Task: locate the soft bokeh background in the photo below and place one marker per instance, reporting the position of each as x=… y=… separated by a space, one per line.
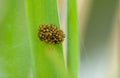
x=99 y=22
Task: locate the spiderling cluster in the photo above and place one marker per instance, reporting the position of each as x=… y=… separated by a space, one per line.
x=49 y=33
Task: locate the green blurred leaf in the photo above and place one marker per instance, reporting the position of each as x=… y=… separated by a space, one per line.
x=14 y=45
x=19 y=40
x=73 y=39
x=48 y=61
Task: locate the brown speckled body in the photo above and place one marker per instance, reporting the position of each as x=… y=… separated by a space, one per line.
x=49 y=33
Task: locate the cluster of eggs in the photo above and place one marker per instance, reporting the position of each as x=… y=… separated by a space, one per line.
x=49 y=33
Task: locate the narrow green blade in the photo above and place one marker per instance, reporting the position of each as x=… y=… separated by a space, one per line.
x=73 y=39
x=48 y=59
x=14 y=45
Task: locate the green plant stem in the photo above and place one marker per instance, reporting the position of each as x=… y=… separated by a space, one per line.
x=73 y=39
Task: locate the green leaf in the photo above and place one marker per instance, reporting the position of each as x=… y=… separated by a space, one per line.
x=73 y=39
x=14 y=45
x=19 y=40
x=48 y=61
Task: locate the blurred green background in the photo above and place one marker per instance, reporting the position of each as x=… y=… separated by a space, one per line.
x=99 y=23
